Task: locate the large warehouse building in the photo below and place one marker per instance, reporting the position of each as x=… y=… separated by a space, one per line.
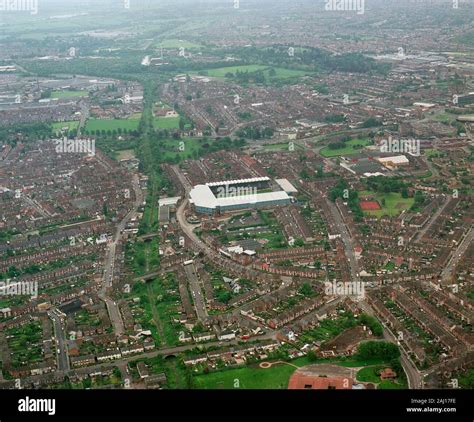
x=234 y=195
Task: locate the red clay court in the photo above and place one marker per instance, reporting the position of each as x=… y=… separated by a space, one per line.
x=370 y=205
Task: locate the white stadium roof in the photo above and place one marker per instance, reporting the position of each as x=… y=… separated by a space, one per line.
x=238 y=182
x=286 y=186
x=202 y=196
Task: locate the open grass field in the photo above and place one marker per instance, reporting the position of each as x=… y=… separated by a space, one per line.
x=69 y=94
x=371 y=374
x=445 y=117
x=275 y=377
x=280 y=73
x=390 y=385
x=112 y=124
x=71 y=126
x=220 y=72
x=177 y=43
x=348 y=150
x=166 y=122
x=394 y=203
x=173 y=147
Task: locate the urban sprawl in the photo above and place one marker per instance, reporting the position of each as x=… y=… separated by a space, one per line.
x=254 y=194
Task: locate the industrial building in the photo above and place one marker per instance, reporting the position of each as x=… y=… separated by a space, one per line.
x=394 y=162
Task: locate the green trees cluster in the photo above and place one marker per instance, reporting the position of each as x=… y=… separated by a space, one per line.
x=378 y=349
x=31 y=131
x=308 y=58
x=372 y=323
x=253 y=132
x=335 y=118
x=113 y=132
x=257 y=77
x=371 y=122
x=383 y=184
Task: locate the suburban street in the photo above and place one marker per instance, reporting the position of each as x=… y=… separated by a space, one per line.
x=433 y=218
x=346 y=239
x=414 y=377
x=62 y=350
x=107 y=280
x=196 y=292
x=456 y=257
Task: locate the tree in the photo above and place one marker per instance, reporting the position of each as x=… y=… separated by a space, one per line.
x=378 y=349
x=312 y=356
x=373 y=324
x=299 y=242
x=371 y=122
x=306 y=290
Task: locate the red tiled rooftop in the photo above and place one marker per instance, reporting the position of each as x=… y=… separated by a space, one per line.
x=300 y=381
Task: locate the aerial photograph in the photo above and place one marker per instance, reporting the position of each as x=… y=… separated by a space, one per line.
x=238 y=199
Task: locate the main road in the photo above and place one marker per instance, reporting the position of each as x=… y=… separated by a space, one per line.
x=456 y=256
x=62 y=351
x=346 y=239
x=108 y=275
x=214 y=256
x=433 y=218
x=414 y=376
x=196 y=292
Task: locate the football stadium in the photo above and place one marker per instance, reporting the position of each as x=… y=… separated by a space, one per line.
x=236 y=195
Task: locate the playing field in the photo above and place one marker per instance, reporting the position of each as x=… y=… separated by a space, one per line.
x=176 y=43
x=369 y=205
x=184 y=147
x=166 y=122
x=280 y=73
x=393 y=206
x=112 y=124
x=275 y=377
x=69 y=94
x=70 y=125
x=348 y=150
